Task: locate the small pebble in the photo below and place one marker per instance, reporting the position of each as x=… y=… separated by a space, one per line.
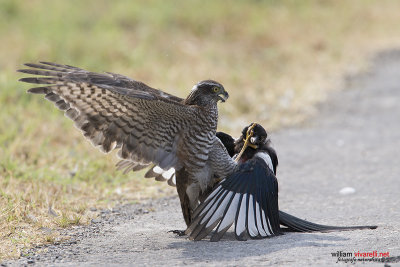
x=118 y=191
x=347 y=191
x=97 y=220
x=106 y=211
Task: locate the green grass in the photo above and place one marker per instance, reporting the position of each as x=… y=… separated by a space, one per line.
x=276 y=58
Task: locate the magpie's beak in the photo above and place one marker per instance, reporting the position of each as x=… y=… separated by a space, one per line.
x=223 y=96
x=253 y=142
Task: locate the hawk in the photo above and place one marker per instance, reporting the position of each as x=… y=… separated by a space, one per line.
x=146 y=125
x=189 y=199
x=248 y=198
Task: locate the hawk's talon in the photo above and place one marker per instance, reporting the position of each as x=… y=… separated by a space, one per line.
x=249 y=134
x=177 y=232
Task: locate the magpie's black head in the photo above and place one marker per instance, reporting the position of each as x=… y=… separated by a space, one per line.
x=256 y=143
x=259 y=137
x=259 y=142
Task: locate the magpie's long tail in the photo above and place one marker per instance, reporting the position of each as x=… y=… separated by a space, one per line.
x=295 y=224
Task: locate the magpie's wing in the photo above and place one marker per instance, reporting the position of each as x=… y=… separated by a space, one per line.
x=228 y=142
x=248 y=198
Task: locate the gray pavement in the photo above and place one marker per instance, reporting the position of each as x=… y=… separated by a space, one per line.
x=354 y=141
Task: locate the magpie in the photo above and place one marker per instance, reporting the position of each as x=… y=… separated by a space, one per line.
x=248 y=198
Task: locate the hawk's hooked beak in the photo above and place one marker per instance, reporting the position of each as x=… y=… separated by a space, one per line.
x=223 y=96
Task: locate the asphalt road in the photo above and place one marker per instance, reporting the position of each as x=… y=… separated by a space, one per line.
x=354 y=141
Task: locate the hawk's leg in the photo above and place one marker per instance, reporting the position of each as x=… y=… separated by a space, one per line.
x=182 y=183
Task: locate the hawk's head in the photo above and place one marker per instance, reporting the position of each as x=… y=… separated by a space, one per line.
x=207 y=93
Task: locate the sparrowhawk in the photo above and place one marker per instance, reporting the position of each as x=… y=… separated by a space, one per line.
x=248 y=198
x=148 y=126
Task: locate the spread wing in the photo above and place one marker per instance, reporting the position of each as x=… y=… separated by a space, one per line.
x=153 y=172
x=248 y=198
x=169 y=175
x=114 y=111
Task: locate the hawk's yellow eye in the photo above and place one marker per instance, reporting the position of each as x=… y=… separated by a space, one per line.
x=215 y=89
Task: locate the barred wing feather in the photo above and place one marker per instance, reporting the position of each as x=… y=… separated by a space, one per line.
x=114 y=111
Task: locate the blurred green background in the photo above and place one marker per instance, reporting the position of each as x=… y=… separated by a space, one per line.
x=276 y=58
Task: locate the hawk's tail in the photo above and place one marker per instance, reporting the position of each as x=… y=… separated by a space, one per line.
x=295 y=224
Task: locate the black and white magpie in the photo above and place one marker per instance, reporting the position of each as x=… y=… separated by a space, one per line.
x=248 y=198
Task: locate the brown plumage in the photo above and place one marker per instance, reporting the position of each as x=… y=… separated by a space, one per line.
x=148 y=126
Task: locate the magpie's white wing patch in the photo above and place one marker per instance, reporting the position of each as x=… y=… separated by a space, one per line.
x=248 y=198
